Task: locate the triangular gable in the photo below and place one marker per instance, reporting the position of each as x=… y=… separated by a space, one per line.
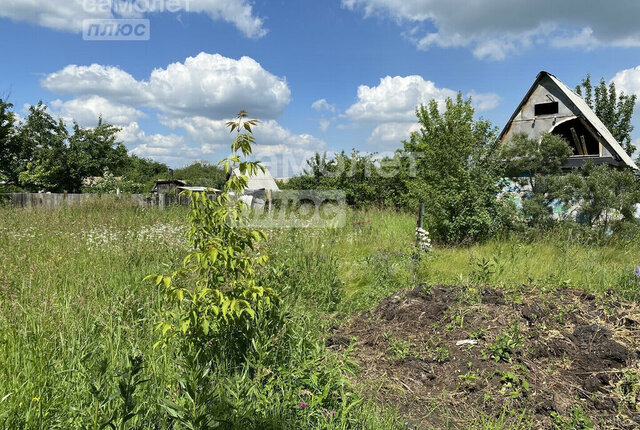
x=579 y=108
x=260 y=180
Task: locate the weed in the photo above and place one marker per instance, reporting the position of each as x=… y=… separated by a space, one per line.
x=577 y=420
x=514 y=385
x=506 y=344
x=440 y=354
x=398 y=348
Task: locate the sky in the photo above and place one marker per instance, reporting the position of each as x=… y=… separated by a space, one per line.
x=326 y=75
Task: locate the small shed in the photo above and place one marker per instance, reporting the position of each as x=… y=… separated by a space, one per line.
x=551 y=107
x=167 y=185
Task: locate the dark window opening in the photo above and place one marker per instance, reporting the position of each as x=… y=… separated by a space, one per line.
x=581 y=140
x=546 y=108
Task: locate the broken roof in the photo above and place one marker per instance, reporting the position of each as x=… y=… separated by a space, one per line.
x=587 y=113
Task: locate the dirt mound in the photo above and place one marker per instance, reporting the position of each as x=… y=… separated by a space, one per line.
x=452 y=356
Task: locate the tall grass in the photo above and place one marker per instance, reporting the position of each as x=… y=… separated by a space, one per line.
x=74 y=312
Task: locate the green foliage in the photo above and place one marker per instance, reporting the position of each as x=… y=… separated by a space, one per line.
x=600 y=194
x=202 y=174
x=514 y=385
x=40 y=154
x=217 y=286
x=614 y=110
x=628 y=390
x=457 y=173
x=577 y=420
x=399 y=349
x=506 y=344
x=365 y=179
x=534 y=166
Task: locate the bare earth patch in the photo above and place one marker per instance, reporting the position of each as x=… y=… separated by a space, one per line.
x=560 y=358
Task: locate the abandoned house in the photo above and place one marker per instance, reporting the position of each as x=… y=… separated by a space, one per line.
x=551 y=107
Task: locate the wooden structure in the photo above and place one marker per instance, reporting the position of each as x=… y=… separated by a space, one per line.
x=551 y=107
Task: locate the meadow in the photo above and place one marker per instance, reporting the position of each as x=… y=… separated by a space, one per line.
x=77 y=321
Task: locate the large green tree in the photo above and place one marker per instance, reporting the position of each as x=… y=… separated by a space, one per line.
x=94 y=152
x=615 y=109
x=42 y=154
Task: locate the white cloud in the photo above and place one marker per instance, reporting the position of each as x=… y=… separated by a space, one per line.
x=195 y=99
x=495 y=29
x=170 y=149
x=283 y=151
x=391 y=105
x=393 y=132
x=324 y=124
x=104 y=81
x=396 y=98
x=208 y=84
x=628 y=80
x=86 y=110
x=68 y=15
x=322 y=104
x=484 y=101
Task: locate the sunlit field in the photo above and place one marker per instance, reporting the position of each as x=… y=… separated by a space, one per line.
x=76 y=317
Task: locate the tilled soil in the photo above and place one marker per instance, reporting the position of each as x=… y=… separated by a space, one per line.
x=555 y=360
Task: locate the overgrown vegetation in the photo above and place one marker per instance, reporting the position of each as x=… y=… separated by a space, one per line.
x=475 y=188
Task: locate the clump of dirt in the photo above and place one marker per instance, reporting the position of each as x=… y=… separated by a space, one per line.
x=450 y=356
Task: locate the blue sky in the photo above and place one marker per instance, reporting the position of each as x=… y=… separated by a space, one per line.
x=322 y=75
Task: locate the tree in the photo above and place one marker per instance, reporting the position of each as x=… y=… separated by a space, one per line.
x=94 y=152
x=7 y=143
x=600 y=194
x=202 y=174
x=614 y=110
x=458 y=176
x=534 y=165
x=42 y=154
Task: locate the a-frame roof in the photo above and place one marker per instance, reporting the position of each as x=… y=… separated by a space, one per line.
x=585 y=111
x=259 y=180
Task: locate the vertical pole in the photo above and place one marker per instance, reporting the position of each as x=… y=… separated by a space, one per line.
x=420 y=215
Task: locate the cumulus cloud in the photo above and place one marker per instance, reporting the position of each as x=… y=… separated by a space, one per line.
x=392 y=103
x=86 y=110
x=283 y=151
x=323 y=105
x=98 y=80
x=494 y=29
x=207 y=84
x=396 y=98
x=194 y=99
x=171 y=149
x=393 y=132
x=628 y=80
x=67 y=15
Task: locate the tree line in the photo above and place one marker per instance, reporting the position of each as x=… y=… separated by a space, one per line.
x=42 y=153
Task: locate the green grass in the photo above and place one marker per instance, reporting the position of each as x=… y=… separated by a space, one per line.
x=74 y=309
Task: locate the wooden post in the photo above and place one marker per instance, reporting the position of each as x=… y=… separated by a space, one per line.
x=268 y=195
x=420 y=215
